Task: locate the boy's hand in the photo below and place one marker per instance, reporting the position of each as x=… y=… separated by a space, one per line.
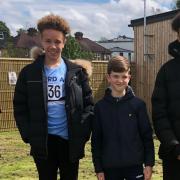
x=178 y=158
x=147 y=172
x=100 y=176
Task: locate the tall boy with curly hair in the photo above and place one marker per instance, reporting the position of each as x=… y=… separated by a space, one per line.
x=53 y=105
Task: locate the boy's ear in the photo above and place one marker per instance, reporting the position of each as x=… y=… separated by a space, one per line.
x=108 y=77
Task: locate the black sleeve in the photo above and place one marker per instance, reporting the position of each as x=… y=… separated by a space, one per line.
x=96 y=142
x=160 y=119
x=146 y=135
x=20 y=106
x=88 y=104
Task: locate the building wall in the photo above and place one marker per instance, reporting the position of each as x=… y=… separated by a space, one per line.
x=159 y=35
x=128 y=55
x=117 y=47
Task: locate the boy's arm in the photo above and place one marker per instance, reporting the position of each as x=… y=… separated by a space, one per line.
x=160 y=119
x=20 y=106
x=96 y=142
x=146 y=135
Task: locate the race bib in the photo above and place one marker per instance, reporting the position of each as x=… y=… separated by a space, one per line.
x=54 y=92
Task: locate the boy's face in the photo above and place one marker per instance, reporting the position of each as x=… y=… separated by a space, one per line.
x=118 y=81
x=53 y=42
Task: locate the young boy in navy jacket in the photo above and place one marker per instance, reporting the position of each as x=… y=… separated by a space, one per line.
x=122 y=143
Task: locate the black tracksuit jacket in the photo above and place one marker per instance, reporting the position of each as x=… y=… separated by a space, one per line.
x=122 y=134
x=30 y=108
x=166 y=105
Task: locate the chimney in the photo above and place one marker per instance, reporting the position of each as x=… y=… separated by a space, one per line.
x=78 y=35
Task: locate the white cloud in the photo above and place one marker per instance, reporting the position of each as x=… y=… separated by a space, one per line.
x=94 y=20
x=101 y=16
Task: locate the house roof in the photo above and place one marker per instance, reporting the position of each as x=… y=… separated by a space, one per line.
x=89 y=45
x=154 y=18
x=118 y=44
x=118 y=39
x=118 y=49
x=26 y=41
x=126 y=45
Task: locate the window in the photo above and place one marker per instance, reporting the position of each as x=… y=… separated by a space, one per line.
x=1 y=35
x=97 y=56
x=106 y=57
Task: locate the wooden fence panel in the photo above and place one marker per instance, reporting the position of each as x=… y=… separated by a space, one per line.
x=6 y=90
x=97 y=81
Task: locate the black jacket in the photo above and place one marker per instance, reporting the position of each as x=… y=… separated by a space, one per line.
x=30 y=108
x=166 y=104
x=122 y=134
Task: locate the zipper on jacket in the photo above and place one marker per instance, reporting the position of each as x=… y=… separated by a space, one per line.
x=67 y=89
x=73 y=97
x=44 y=78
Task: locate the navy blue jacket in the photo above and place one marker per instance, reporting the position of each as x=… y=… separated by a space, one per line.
x=122 y=134
x=166 y=103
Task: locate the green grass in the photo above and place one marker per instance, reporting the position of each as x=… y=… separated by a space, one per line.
x=17 y=164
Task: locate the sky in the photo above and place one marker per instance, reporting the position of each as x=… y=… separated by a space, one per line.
x=96 y=19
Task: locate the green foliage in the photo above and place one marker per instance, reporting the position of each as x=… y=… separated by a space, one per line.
x=32 y=31
x=15 y=52
x=72 y=50
x=178 y=4
x=4 y=28
x=21 y=30
x=86 y=55
x=11 y=51
x=175 y=4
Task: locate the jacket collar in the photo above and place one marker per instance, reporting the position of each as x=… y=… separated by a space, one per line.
x=70 y=66
x=108 y=97
x=174 y=49
x=72 y=69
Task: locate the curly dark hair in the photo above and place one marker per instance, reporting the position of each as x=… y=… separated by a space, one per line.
x=53 y=22
x=176 y=23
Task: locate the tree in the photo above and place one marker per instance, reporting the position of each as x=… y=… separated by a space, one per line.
x=4 y=28
x=178 y=4
x=72 y=50
x=32 y=31
x=21 y=30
